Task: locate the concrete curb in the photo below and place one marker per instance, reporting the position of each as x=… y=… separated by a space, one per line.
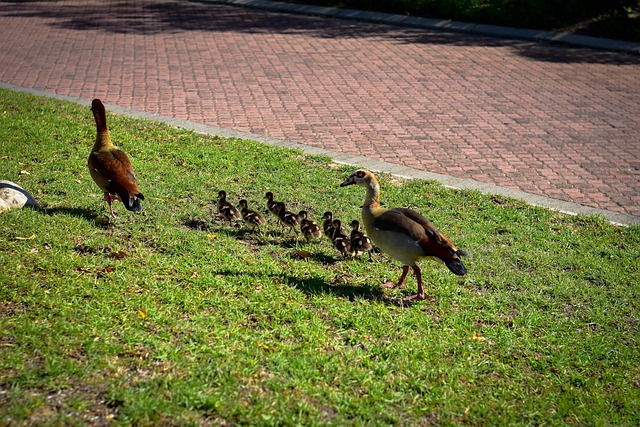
x=616 y=218
x=437 y=24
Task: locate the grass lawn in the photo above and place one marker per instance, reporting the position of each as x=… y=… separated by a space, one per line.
x=172 y=317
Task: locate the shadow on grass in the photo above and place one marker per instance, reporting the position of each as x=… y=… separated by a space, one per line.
x=237 y=231
x=87 y=214
x=198 y=224
x=317 y=285
x=262 y=237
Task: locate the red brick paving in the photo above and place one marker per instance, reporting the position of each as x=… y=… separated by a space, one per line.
x=550 y=120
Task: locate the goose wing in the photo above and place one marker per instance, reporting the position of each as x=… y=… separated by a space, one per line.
x=116 y=171
x=419 y=229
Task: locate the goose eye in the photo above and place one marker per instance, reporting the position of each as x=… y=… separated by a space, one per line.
x=360 y=174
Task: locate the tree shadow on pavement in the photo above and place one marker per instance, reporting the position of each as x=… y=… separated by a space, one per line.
x=148 y=17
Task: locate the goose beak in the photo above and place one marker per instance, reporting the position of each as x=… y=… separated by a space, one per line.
x=351 y=180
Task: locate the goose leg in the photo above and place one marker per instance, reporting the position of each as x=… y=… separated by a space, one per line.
x=421 y=293
x=110 y=198
x=391 y=285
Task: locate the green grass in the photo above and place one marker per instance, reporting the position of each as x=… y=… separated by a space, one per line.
x=171 y=317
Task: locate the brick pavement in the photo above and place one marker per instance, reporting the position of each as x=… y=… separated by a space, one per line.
x=549 y=120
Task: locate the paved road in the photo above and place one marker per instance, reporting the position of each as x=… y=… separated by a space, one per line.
x=557 y=121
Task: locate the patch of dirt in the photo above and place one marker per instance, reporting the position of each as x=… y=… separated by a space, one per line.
x=62 y=404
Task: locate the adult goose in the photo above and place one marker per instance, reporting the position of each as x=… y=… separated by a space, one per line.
x=110 y=167
x=404 y=234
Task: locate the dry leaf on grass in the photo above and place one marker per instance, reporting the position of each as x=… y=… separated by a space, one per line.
x=33 y=236
x=265 y=347
x=304 y=254
x=119 y=255
x=478 y=338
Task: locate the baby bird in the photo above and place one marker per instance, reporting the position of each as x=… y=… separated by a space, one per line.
x=327 y=225
x=359 y=241
x=338 y=231
x=271 y=204
x=310 y=230
x=287 y=218
x=110 y=168
x=340 y=239
x=252 y=218
x=343 y=245
x=226 y=209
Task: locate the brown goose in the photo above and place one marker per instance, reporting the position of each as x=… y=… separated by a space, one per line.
x=404 y=234
x=110 y=167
